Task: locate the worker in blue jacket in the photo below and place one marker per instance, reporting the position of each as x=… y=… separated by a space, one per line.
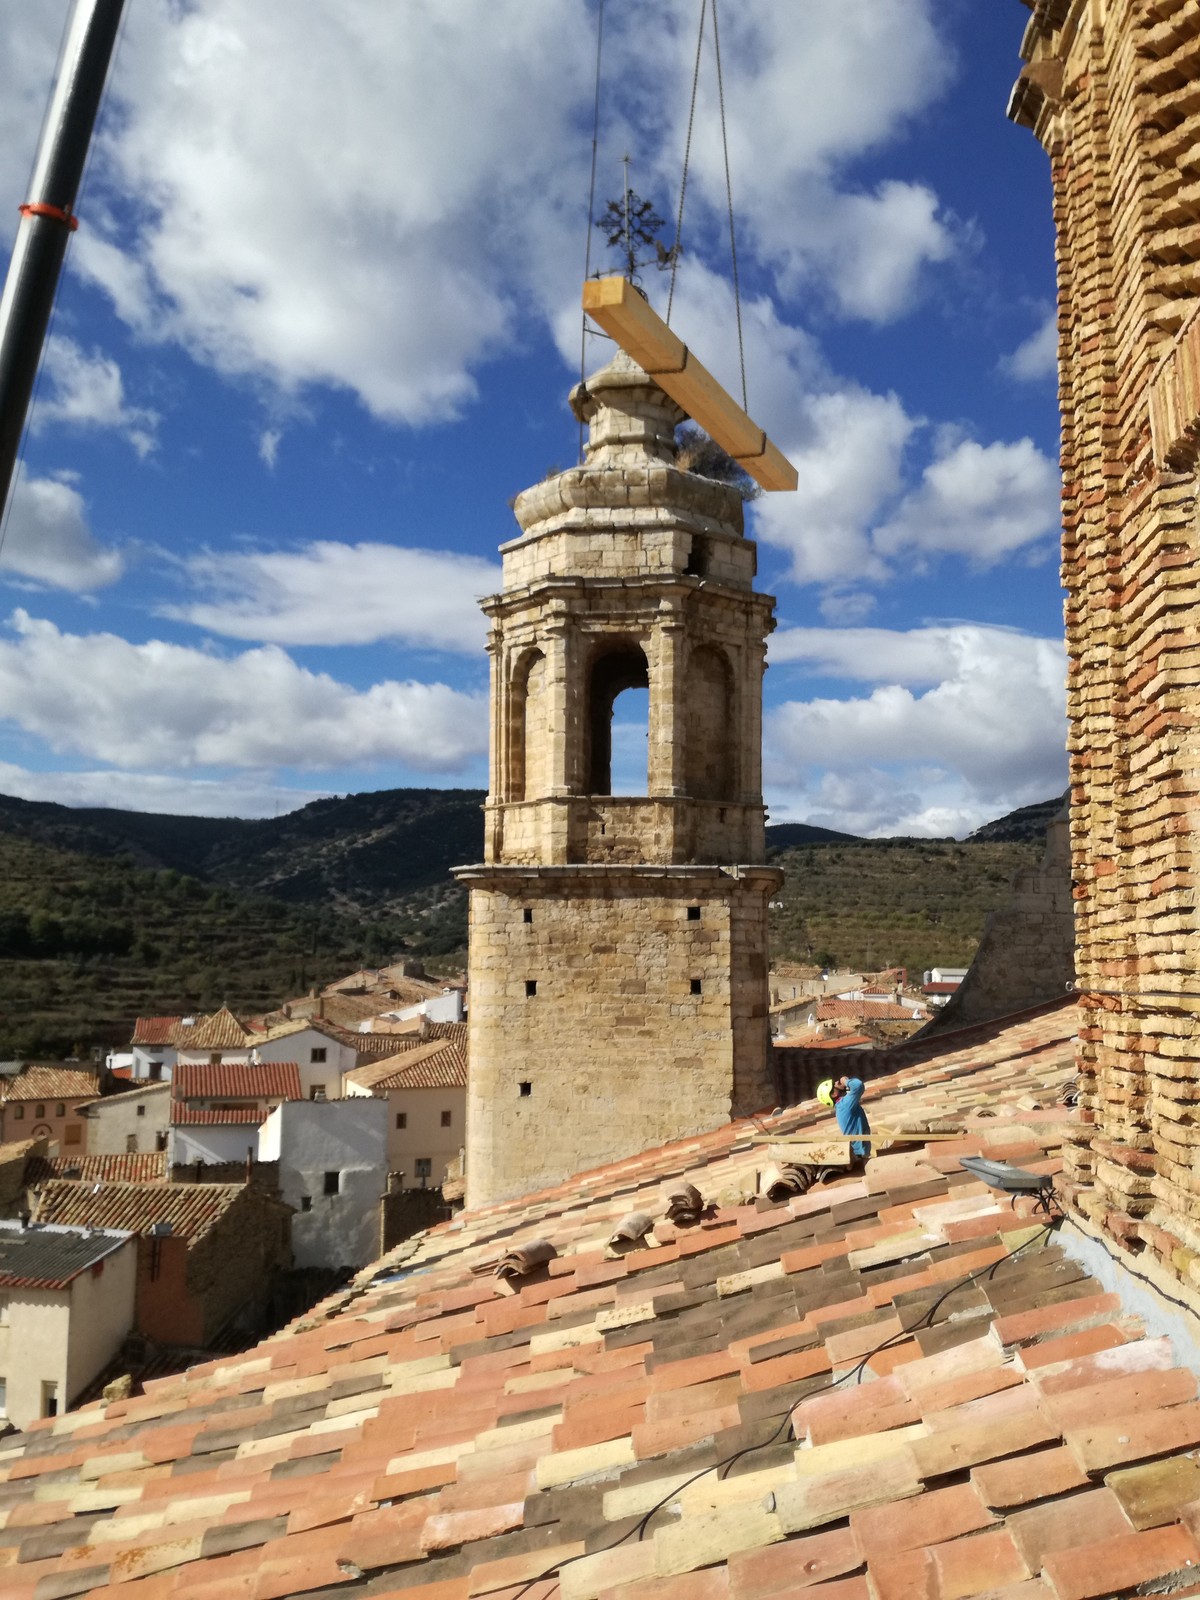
x=848 y=1109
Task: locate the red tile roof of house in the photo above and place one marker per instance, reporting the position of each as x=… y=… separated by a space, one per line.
x=156 y=1030
x=149 y=1166
x=864 y=1011
x=184 y=1115
x=50 y=1083
x=946 y=987
x=221 y=1031
x=190 y=1209
x=440 y=1064
x=231 y=1080
x=895 y=1385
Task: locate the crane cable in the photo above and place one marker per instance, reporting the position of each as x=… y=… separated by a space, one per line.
x=687 y=156
x=687 y=151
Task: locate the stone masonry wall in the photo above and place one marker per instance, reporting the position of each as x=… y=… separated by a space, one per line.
x=1112 y=90
x=1027 y=953
x=616 y=1051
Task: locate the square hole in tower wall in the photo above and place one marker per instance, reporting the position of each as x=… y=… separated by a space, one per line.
x=696 y=986
x=527 y=914
x=530 y=986
x=693 y=913
x=525 y=1090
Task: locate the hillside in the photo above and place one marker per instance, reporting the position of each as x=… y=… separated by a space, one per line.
x=105 y=913
x=87 y=942
x=914 y=903
x=1029 y=822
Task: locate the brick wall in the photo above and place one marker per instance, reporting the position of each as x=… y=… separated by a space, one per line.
x=1113 y=92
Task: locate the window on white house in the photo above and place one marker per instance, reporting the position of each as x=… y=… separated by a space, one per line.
x=402 y=1119
x=316 y=1091
x=333 y=1183
x=156 y=1070
x=49 y=1399
x=73 y=1133
x=424 y=1169
x=62 y=1110
x=141 y=1111
x=317 y=1054
x=445 y=1119
x=306 y=1202
x=40 y=1112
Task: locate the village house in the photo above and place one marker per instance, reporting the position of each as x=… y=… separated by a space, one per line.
x=43 y=1102
x=332 y=1163
x=152 y=1048
x=322 y=1051
x=133 y=1121
x=66 y=1304
x=206 y=1252
x=217 y=1108
x=426 y=1092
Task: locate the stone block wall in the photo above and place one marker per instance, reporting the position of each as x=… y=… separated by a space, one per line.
x=1112 y=90
x=1026 y=955
x=611 y=1051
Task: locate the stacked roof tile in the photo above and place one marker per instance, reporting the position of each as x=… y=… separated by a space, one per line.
x=189 y=1209
x=220 y=1080
x=896 y=1386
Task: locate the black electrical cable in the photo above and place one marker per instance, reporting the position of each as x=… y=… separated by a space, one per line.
x=721 y=1468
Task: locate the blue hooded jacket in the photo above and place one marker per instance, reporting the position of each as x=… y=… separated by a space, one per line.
x=851 y=1118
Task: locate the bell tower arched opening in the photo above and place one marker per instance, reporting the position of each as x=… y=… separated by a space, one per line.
x=527 y=742
x=616 y=667
x=711 y=747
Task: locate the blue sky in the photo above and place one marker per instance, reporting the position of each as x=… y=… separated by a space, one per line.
x=318 y=327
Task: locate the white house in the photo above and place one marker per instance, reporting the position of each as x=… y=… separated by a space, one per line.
x=66 y=1305
x=332 y=1157
x=159 y=1043
x=198 y=1133
x=320 y=1054
x=217 y=1107
x=425 y=1090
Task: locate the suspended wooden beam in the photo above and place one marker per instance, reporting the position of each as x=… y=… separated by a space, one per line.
x=617 y=307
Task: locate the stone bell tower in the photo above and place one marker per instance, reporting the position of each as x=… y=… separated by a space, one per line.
x=618 y=966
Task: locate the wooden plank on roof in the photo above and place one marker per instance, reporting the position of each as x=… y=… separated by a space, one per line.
x=617 y=307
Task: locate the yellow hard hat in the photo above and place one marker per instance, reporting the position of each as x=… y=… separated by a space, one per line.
x=825 y=1092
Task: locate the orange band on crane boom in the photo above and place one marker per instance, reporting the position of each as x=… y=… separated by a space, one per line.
x=42 y=208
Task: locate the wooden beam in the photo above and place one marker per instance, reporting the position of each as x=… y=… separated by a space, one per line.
x=621 y=311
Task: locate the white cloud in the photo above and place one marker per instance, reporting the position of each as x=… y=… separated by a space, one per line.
x=331 y=593
x=237 y=795
x=849 y=460
x=164 y=705
x=1037 y=356
x=49 y=541
x=268 y=446
x=967 y=717
x=980 y=501
x=312 y=224
x=86 y=391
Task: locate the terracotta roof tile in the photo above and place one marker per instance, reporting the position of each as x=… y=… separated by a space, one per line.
x=145 y=1167
x=191 y=1209
x=50 y=1083
x=185 y=1115
x=221 y=1031
x=431 y=1432
x=221 y=1080
x=156 y=1031
x=440 y=1064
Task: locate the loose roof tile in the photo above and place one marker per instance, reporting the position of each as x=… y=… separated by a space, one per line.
x=843 y=1391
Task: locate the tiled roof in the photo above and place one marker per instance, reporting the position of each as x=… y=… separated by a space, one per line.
x=221 y=1031
x=231 y=1080
x=941 y=988
x=191 y=1209
x=184 y=1115
x=156 y=1030
x=866 y=1011
x=441 y=1064
x=49 y=1258
x=50 y=1083
x=837 y=1392
x=147 y=1167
